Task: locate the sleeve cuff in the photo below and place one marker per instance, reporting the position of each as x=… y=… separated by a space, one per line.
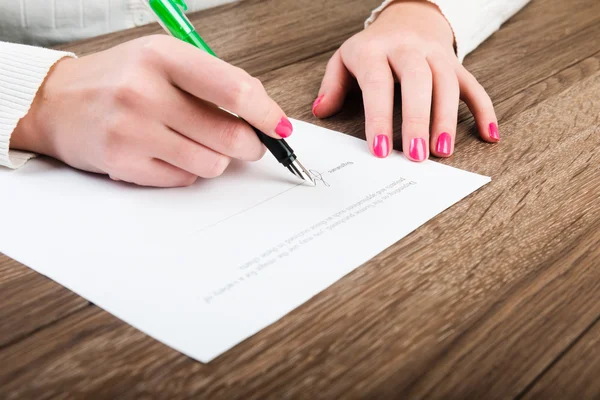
x=23 y=70
x=471 y=21
x=376 y=12
x=386 y=3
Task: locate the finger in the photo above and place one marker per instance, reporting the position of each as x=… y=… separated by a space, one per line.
x=480 y=104
x=334 y=87
x=210 y=126
x=186 y=154
x=152 y=172
x=415 y=79
x=377 y=84
x=218 y=82
x=445 y=106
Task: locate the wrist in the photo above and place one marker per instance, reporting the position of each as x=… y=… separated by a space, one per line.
x=33 y=132
x=423 y=11
x=26 y=135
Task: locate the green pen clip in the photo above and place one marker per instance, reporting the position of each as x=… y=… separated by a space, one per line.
x=171 y=16
x=181 y=3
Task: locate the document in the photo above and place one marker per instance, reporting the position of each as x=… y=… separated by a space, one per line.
x=204 y=267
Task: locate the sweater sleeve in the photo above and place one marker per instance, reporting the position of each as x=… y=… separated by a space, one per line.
x=472 y=21
x=23 y=70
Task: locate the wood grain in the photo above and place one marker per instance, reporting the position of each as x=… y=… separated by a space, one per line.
x=494 y=298
x=21 y=313
x=575 y=375
x=556 y=305
x=104 y=340
x=258 y=35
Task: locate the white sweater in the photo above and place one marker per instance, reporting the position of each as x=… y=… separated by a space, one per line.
x=48 y=22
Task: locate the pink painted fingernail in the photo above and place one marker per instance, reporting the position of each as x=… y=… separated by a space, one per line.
x=316 y=104
x=381 y=146
x=494 y=134
x=284 y=127
x=417 y=149
x=444 y=144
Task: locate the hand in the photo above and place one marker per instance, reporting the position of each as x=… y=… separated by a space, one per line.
x=144 y=112
x=412 y=41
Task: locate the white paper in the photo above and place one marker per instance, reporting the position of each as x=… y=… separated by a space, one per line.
x=203 y=268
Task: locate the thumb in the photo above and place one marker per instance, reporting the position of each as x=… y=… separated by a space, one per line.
x=336 y=84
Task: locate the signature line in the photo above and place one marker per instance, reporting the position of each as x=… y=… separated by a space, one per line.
x=247 y=209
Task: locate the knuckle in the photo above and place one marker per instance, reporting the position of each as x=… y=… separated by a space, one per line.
x=471 y=78
x=373 y=46
x=452 y=83
x=115 y=141
x=113 y=160
x=416 y=72
x=446 y=121
x=218 y=166
x=254 y=151
x=269 y=115
x=186 y=179
x=125 y=93
x=410 y=40
x=257 y=84
x=416 y=121
x=485 y=99
x=475 y=85
x=232 y=136
x=115 y=131
x=379 y=120
x=240 y=93
x=482 y=110
x=243 y=90
x=375 y=78
x=442 y=52
x=482 y=99
x=151 y=49
x=332 y=62
x=441 y=65
x=365 y=56
x=259 y=154
x=405 y=51
x=113 y=157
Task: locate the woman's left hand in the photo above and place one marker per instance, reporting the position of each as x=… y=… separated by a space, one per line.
x=412 y=42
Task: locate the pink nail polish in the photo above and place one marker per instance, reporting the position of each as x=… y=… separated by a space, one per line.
x=284 y=127
x=444 y=144
x=494 y=131
x=417 y=149
x=381 y=146
x=316 y=104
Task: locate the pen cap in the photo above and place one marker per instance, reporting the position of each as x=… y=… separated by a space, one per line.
x=170 y=14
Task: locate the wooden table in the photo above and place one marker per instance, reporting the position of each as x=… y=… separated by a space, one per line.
x=497 y=297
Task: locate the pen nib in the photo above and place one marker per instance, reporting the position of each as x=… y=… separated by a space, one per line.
x=298 y=169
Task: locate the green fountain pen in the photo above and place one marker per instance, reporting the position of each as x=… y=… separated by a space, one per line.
x=170 y=14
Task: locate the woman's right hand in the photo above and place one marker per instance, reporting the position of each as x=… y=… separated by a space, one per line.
x=145 y=112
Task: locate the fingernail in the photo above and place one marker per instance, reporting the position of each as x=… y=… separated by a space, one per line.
x=444 y=144
x=284 y=127
x=316 y=104
x=494 y=131
x=381 y=146
x=417 y=150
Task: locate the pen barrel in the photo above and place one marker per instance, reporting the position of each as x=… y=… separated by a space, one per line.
x=195 y=40
x=172 y=18
x=278 y=147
